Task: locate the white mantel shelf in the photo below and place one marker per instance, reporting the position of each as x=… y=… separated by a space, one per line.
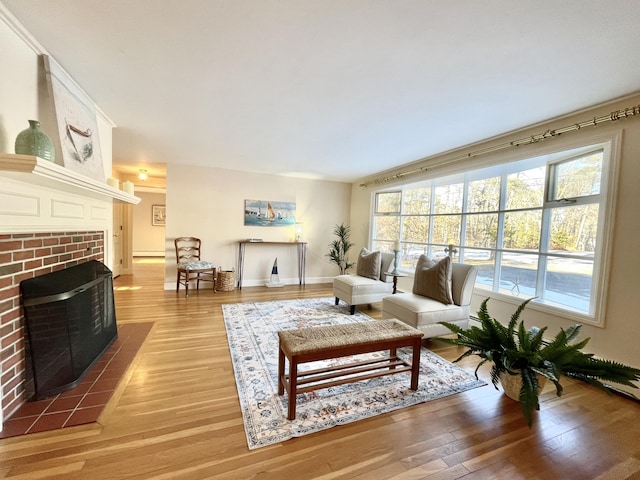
x=35 y=170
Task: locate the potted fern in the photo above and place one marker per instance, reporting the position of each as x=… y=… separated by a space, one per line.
x=339 y=248
x=516 y=352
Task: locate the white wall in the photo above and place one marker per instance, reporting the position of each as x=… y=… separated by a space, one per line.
x=148 y=239
x=619 y=337
x=24 y=96
x=209 y=203
x=18 y=87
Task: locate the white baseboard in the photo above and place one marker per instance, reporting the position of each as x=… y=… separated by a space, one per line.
x=261 y=283
x=150 y=253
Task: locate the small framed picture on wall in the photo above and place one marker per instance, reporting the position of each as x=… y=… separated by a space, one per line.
x=158 y=215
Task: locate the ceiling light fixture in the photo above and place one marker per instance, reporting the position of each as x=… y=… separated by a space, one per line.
x=142 y=175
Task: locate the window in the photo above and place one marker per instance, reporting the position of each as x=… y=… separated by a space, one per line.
x=533 y=227
x=386 y=220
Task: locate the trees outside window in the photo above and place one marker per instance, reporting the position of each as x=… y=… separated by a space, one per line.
x=532 y=227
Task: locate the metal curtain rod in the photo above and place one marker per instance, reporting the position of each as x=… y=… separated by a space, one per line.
x=612 y=117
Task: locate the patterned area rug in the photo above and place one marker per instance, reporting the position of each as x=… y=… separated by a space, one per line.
x=253 y=340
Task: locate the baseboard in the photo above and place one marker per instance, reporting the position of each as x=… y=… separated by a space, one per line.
x=151 y=253
x=260 y=283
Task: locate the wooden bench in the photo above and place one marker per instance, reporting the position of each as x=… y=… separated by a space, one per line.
x=322 y=343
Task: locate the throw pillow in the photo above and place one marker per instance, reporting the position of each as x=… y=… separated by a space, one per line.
x=369 y=264
x=433 y=279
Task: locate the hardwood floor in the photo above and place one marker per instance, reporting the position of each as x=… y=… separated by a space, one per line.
x=176 y=416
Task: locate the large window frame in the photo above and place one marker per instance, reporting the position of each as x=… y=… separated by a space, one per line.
x=425 y=218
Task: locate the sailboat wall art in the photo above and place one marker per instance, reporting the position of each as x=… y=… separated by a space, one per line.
x=268 y=213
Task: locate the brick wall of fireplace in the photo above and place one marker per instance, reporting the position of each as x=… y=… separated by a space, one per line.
x=23 y=256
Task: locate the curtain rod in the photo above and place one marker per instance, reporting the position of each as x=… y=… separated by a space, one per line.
x=612 y=117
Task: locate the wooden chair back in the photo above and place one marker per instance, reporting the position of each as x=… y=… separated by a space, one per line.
x=187 y=249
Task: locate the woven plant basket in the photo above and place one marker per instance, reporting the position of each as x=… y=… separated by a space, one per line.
x=226 y=281
x=511 y=384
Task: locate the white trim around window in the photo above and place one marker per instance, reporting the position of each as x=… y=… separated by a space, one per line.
x=428 y=214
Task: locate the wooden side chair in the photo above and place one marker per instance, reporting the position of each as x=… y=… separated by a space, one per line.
x=189 y=265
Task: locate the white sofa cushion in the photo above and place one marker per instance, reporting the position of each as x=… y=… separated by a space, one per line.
x=417 y=310
x=360 y=289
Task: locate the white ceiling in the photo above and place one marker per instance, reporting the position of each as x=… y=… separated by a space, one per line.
x=332 y=89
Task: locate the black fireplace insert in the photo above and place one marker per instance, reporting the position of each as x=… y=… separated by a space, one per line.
x=70 y=323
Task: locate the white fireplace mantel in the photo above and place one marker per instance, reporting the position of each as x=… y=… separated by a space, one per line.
x=36 y=171
x=39 y=196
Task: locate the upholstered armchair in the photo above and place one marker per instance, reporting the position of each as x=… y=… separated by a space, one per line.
x=441 y=293
x=370 y=283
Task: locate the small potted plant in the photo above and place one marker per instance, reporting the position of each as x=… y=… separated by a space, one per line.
x=339 y=248
x=516 y=352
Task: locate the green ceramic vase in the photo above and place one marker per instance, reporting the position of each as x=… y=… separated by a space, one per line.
x=33 y=141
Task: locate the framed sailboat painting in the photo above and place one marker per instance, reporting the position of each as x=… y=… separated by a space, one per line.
x=267 y=213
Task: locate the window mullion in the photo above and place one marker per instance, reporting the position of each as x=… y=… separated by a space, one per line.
x=463 y=220
x=429 y=240
x=500 y=234
x=402 y=215
x=545 y=237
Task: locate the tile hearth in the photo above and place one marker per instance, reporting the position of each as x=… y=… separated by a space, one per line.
x=84 y=403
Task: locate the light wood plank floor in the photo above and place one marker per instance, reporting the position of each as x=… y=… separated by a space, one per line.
x=176 y=416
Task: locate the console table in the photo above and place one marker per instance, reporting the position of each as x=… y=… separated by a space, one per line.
x=302 y=257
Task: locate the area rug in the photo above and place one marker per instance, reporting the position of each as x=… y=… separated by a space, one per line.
x=253 y=341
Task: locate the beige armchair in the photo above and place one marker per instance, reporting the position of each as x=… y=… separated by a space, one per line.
x=369 y=285
x=441 y=293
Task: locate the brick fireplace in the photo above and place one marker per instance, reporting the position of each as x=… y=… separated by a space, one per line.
x=51 y=218
x=22 y=256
